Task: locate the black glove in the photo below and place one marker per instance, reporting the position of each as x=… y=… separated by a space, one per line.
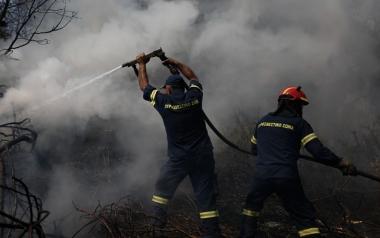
x=347 y=167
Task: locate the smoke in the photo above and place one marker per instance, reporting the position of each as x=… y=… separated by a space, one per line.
x=244 y=52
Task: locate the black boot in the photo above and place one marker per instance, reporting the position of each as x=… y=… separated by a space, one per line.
x=248 y=227
x=210 y=228
x=159 y=220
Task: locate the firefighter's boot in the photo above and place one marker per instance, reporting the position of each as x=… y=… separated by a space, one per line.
x=159 y=220
x=248 y=227
x=210 y=228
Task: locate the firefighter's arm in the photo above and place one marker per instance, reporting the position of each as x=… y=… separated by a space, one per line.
x=315 y=147
x=310 y=141
x=320 y=152
x=142 y=74
x=183 y=68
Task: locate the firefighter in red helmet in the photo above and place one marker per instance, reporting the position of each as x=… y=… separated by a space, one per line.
x=276 y=141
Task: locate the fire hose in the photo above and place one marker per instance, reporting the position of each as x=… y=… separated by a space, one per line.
x=161 y=54
x=305 y=157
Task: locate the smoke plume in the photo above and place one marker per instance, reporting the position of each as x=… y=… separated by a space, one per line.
x=244 y=53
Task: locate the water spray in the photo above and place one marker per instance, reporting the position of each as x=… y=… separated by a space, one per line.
x=156 y=53
x=72 y=90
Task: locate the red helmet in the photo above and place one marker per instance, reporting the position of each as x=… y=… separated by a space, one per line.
x=294 y=93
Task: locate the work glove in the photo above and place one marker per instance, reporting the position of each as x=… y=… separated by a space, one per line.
x=347 y=167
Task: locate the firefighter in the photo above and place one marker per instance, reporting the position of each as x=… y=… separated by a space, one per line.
x=276 y=141
x=190 y=150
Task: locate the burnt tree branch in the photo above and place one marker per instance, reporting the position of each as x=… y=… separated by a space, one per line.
x=36 y=215
x=26 y=21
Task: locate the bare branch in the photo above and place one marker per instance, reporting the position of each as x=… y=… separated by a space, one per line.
x=128 y=219
x=33 y=225
x=4 y=10
x=28 y=20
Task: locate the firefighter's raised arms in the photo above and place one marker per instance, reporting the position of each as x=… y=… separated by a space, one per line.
x=190 y=150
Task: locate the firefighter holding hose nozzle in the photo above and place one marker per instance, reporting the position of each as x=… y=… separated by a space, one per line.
x=276 y=141
x=190 y=150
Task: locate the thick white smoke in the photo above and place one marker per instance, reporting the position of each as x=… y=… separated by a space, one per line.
x=244 y=52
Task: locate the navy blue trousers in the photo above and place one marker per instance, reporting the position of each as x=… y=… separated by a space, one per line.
x=200 y=168
x=293 y=198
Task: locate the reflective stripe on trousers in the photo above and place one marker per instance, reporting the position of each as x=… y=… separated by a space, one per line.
x=160 y=200
x=209 y=214
x=308 y=231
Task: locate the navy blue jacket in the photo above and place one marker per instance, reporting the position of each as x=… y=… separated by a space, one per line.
x=277 y=140
x=183 y=119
